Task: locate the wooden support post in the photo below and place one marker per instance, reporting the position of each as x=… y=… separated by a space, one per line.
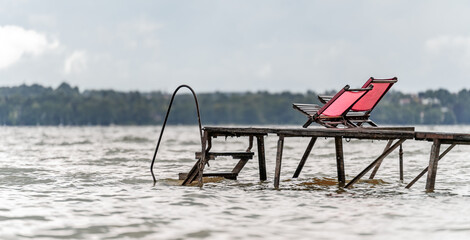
x=203 y=161
x=277 y=173
x=368 y=168
x=239 y=166
x=426 y=169
x=198 y=168
x=377 y=166
x=305 y=156
x=261 y=158
x=209 y=143
x=250 y=143
x=432 y=168
x=340 y=161
x=192 y=174
x=400 y=162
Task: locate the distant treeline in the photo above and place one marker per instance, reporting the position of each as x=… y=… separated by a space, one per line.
x=66 y=105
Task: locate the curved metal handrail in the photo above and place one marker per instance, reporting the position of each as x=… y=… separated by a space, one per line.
x=164 y=124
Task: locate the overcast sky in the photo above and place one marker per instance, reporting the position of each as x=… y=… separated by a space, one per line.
x=235 y=45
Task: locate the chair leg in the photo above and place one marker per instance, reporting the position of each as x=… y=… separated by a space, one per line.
x=309 y=121
x=372 y=123
x=348 y=123
x=327 y=125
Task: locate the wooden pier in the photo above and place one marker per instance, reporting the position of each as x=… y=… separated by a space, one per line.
x=395 y=136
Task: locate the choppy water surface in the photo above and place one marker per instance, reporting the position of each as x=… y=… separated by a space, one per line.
x=94 y=183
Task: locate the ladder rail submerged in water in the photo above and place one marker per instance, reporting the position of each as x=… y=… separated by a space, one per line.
x=164 y=124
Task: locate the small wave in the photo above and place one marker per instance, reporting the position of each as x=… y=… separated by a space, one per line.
x=135 y=181
x=117 y=150
x=84 y=142
x=12 y=170
x=35 y=218
x=133 y=139
x=190 y=143
x=199 y=234
x=133 y=235
x=15 y=180
x=75 y=200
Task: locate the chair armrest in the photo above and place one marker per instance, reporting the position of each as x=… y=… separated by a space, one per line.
x=307 y=109
x=324 y=98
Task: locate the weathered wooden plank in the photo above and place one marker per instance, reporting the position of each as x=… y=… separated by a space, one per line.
x=250 y=143
x=430 y=136
x=192 y=174
x=359 y=134
x=198 y=168
x=368 y=168
x=261 y=158
x=265 y=130
x=209 y=143
x=203 y=161
x=232 y=176
x=234 y=155
x=400 y=162
x=277 y=173
x=304 y=157
x=455 y=142
x=237 y=131
x=432 y=169
x=239 y=165
x=377 y=166
x=340 y=161
x=425 y=170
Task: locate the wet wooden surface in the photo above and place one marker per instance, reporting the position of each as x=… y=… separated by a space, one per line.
x=360 y=133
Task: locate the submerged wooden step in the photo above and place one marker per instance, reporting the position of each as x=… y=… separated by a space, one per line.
x=234 y=155
x=232 y=176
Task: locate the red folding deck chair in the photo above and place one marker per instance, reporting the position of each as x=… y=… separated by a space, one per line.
x=334 y=111
x=360 y=111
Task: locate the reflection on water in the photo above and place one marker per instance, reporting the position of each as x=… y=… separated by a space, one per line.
x=94 y=183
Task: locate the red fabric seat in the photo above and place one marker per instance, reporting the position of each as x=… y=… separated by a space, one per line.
x=372 y=98
x=343 y=103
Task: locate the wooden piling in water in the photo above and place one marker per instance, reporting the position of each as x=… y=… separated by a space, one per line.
x=277 y=173
x=432 y=169
x=340 y=161
x=261 y=158
x=400 y=162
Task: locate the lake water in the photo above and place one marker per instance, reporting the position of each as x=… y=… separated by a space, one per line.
x=94 y=183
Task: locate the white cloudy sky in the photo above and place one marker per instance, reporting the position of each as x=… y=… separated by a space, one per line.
x=235 y=45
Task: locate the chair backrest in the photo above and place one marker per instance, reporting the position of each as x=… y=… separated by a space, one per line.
x=372 y=97
x=342 y=102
